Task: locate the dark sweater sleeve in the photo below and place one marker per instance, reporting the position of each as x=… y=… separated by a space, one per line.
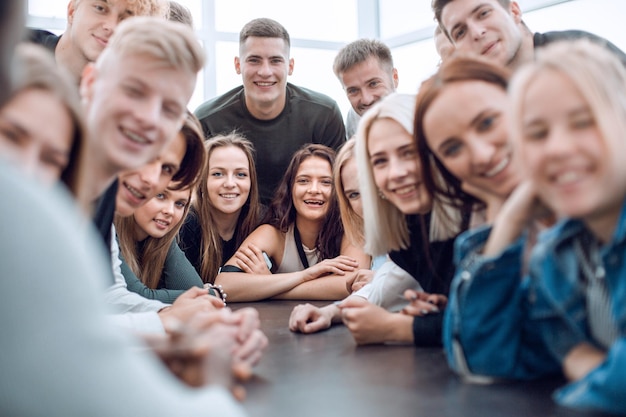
x=178 y=273
x=427 y=330
x=179 y=279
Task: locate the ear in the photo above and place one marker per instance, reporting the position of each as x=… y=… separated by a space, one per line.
x=516 y=12
x=71 y=9
x=237 y=65
x=86 y=82
x=291 y=62
x=396 y=80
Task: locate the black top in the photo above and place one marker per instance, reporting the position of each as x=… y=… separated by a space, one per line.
x=308 y=117
x=543 y=39
x=103 y=216
x=432 y=266
x=44 y=38
x=190 y=236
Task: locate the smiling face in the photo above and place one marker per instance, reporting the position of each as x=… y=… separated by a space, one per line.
x=161 y=214
x=228 y=184
x=91 y=23
x=565 y=153
x=36 y=133
x=466 y=129
x=136 y=187
x=264 y=65
x=133 y=110
x=367 y=82
x=312 y=188
x=485 y=28
x=396 y=167
x=350 y=182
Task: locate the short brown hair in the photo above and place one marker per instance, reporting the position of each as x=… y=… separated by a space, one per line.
x=179 y=13
x=264 y=28
x=439 y=5
x=359 y=51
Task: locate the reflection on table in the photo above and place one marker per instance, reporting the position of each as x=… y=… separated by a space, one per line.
x=326 y=374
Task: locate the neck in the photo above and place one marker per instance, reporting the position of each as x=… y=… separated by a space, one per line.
x=139 y=234
x=66 y=55
x=603 y=225
x=226 y=223
x=98 y=177
x=266 y=111
x=309 y=230
x=526 y=51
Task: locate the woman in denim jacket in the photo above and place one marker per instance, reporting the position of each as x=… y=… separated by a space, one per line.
x=567 y=312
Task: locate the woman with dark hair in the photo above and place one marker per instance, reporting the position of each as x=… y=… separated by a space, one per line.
x=302 y=241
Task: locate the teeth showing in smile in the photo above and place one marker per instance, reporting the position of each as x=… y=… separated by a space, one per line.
x=568 y=177
x=498 y=168
x=260 y=84
x=135 y=192
x=405 y=190
x=229 y=195
x=162 y=222
x=135 y=137
x=316 y=202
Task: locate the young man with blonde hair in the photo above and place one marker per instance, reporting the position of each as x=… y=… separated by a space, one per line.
x=90 y=25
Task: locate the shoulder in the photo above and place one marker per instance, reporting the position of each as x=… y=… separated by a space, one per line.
x=266 y=231
x=306 y=97
x=220 y=103
x=543 y=39
x=42 y=37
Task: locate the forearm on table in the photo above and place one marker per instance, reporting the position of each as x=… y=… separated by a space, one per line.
x=331 y=287
x=241 y=287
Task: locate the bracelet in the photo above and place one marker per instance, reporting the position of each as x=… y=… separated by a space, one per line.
x=218 y=290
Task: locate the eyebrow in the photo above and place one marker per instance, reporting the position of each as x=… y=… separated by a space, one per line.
x=21 y=130
x=474 y=10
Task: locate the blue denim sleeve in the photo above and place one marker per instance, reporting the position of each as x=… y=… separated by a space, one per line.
x=486 y=327
x=603 y=388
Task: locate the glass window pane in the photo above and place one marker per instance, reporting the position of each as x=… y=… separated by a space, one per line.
x=602 y=17
x=415 y=63
x=398 y=17
x=48 y=8
x=326 y=20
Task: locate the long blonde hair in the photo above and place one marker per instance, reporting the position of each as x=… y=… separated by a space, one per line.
x=352 y=221
x=211 y=242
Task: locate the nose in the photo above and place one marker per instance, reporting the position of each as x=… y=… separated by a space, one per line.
x=557 y=144
x=229 y=181
x=368 y=98
x=398 y=168
x=482 y=153
x=110 y=22
x=148 y=112
x=314 y=187
x=264 y=69
x=150 y=175
x=476 y=30
x=168 y=208
x=30 y=161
